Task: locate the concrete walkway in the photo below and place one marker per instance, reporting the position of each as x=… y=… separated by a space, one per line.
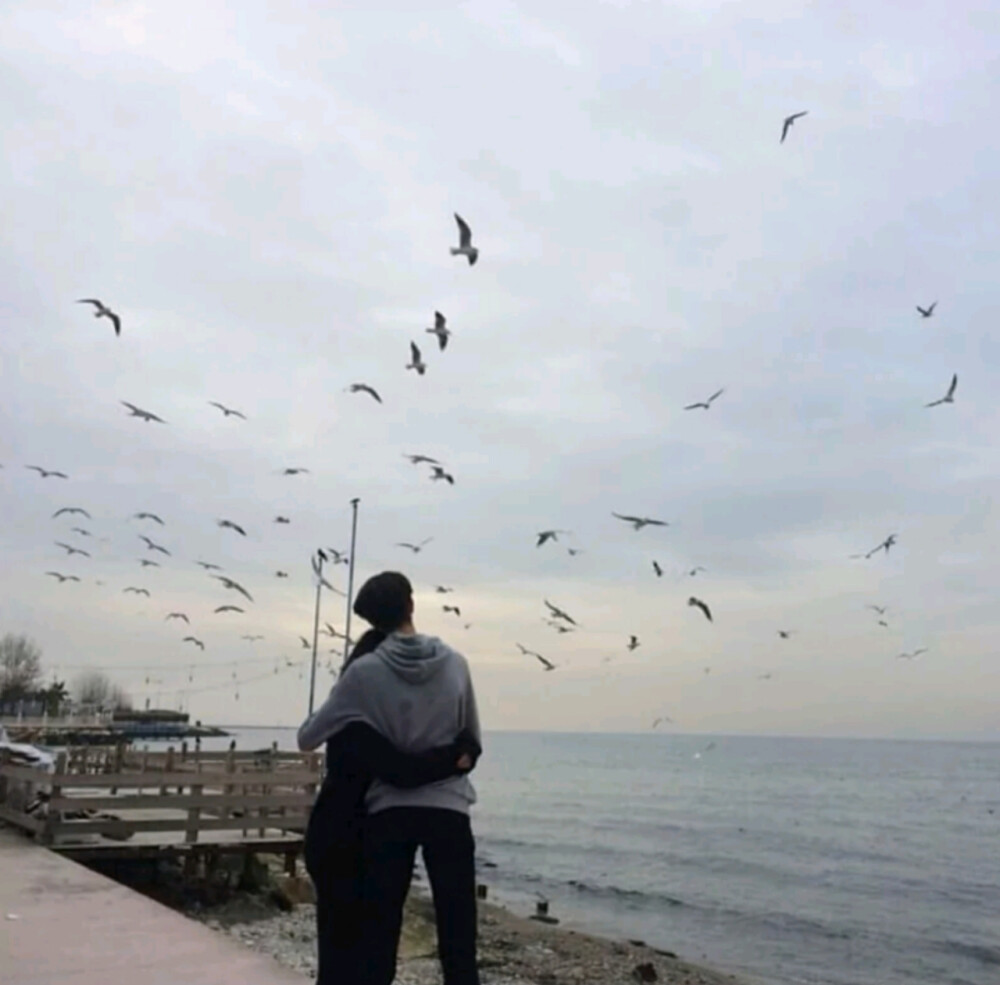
x=61 y=924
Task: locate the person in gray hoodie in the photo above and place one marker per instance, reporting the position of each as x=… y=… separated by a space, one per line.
x=417 y=692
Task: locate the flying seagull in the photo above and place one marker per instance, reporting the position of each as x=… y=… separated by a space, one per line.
x=439 y=473
x=785 y=633
x=880 y=609
x=547 y=664
x=638 y=522
x=882 y=622
x=62 y=578
x=152 y=545
x=558 y=626
x=252 y=639
x=281 y=574
x=305 y=643
x=229 y=525
x=662 y=720
x=135 y=591
x=46 y=473
x=658 y=569
x=633 y=642
x=146 y=563
x=338 y=557
x=227 y=411
x=70 y=551
x=139 y=412
x=419 y=459
x=416 y=548
x=573 y=551
x=234 y=585
x=282 y=519
x=451 y=608
x=912 y=656
x=701 y=605
x=192 y=639
x=545 y=535
x=80 y=531
x=364 y=388
x=695 y=571
x=70 y=510
x=949 y=397
x=558 y=613
x=706 y=404
x=229 y=608
x=789 y=120
x=148 y=516
x=440 y=330
x=443 y=590
x=177 y=615
x=764 y=677
x=465 y=247
x=884 y=546
x=415 y=360
x=294 y=471
x=928 y=311
x=103 y=311
x=207 y=566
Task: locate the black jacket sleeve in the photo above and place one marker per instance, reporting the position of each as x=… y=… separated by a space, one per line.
x=370 y=751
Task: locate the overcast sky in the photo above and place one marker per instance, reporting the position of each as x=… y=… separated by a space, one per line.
x=264 y=192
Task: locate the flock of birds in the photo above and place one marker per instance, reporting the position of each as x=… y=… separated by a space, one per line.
x=557 y=618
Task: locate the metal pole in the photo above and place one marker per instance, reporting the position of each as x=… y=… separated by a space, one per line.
x=350 y=579
x=318 y=568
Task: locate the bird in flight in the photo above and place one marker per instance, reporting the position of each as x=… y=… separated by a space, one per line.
x=229 y=525
x=440 y=330
x=281 y=574
x=229 y=608
x=295 y=471
x=252 y=639
x=706 y=404
x=884 y=546
x=146 y=563
x=305 y=643
x=785 y=634
x=416 y=548
x=439 y=473
x=101 y=310
x=928 y=311
x=443 y=590
x=573 y=551
x=282 y=519
x=207 y=566
x=416 y=362
x=633 y=643
x=465 y=247
x=558 y=613
x=80 y=531
x=558 y=626
x=234 y=585
x=638 y=522
x=764 y=677
x=787 y=125
x=545 y=535
x=70 y=510
x=912 y=656
x=227 y=411
x=193 y=639
x=701 y=605
x=880 y=609
x=131 y=590
x=365 y=388
x=451 y=608
x=695 y=571
x=338 y=557
x=152 y=545
x=70 y=551
x=662 y=720
x=658 y=569
x=949 y=397
x=547 y=664
x=148 y=516
x=177 y=615
x=144 y=414
x=61 y=577
x=882 y=622
x=46 y=473
x=419 y=459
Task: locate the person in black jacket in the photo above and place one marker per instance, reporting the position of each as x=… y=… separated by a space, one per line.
x=333 y=844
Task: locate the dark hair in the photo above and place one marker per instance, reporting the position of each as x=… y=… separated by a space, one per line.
x=370 y=641
x=385 y=600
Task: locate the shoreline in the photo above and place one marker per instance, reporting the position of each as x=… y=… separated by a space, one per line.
x=513 y=949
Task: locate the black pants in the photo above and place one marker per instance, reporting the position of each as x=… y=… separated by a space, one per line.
x=390 y=845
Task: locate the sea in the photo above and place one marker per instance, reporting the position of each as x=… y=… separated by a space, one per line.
x=787 y=861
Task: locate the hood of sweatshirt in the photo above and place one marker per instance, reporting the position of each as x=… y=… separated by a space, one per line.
x=416 y=659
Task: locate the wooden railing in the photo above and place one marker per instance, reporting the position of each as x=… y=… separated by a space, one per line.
x=161 y=797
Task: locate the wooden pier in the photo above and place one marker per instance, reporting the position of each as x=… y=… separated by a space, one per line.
x=115 y=802
x=62 y=924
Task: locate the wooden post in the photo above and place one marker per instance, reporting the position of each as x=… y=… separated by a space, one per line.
x=168 y=767
x=230 y=768
x=119 y=762
x=191 y=835
x=51 y=819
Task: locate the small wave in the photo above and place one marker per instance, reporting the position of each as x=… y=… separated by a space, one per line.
x=617 y=892
x=978 y=952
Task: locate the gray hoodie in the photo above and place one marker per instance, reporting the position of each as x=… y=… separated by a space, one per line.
x=417 y=692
